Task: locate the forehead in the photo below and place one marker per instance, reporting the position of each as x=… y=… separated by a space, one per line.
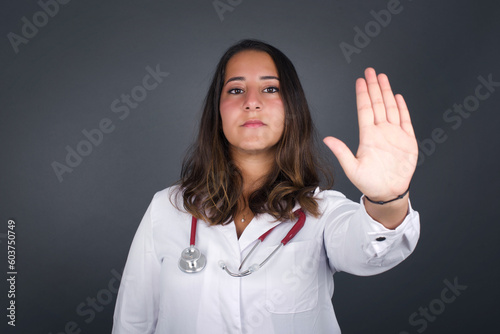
x=250 y=61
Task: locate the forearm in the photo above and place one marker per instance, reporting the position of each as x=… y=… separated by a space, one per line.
x=391 y=215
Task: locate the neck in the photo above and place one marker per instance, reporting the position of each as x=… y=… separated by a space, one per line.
x=253 y=167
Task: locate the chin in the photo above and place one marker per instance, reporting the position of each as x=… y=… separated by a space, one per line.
x=255 y=149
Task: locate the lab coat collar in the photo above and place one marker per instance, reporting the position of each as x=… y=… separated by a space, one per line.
x=258 y=226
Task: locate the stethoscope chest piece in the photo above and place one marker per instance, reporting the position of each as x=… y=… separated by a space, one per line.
x=192 y=261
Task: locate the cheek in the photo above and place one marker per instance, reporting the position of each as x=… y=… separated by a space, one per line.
x=227 y=119
x=224 y=113
x=279 y=115
x=223 y=105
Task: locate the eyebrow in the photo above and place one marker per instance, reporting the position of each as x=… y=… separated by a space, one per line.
x=266 y=77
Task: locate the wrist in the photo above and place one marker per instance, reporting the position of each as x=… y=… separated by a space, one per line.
x=382 y=202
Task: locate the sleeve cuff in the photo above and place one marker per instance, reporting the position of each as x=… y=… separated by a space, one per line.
x=382 y=240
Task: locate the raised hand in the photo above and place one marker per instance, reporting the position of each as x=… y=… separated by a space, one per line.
x=387 y=154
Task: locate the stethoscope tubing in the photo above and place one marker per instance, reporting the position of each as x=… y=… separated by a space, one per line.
x=192 y=260
x=192 y=240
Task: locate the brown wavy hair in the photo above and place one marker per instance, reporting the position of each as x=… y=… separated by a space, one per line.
x=212 y=186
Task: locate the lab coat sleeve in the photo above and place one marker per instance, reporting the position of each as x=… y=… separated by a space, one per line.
x=357 y=244
x=136 y=309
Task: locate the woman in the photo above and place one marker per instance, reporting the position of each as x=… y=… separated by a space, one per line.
x=252 y=167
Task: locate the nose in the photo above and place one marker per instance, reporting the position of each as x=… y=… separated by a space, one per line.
x=252 y=100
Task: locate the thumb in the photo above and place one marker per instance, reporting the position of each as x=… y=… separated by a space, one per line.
x=342 y=152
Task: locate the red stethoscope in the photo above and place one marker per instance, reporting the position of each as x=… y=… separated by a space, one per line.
x=192 y=260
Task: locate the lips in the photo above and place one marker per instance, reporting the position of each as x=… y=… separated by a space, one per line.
x=253 y=123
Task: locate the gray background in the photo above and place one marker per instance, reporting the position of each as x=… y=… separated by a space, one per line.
x=73 y=235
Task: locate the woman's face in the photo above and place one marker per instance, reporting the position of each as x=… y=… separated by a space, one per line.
x=251 y=109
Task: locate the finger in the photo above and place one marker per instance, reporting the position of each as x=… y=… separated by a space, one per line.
x=391 y=108
x=404 y=115
x=365 y=111
x=344 y=155
x=377 y=101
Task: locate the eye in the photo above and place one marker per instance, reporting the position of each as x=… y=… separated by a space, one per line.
x=235 y=91
x=271 y=90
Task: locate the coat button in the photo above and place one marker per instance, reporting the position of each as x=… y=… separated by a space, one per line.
x=380 y=239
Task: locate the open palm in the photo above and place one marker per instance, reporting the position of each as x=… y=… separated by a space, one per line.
x=387 y=154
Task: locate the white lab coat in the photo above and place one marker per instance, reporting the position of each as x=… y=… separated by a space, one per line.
x=289 y=294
